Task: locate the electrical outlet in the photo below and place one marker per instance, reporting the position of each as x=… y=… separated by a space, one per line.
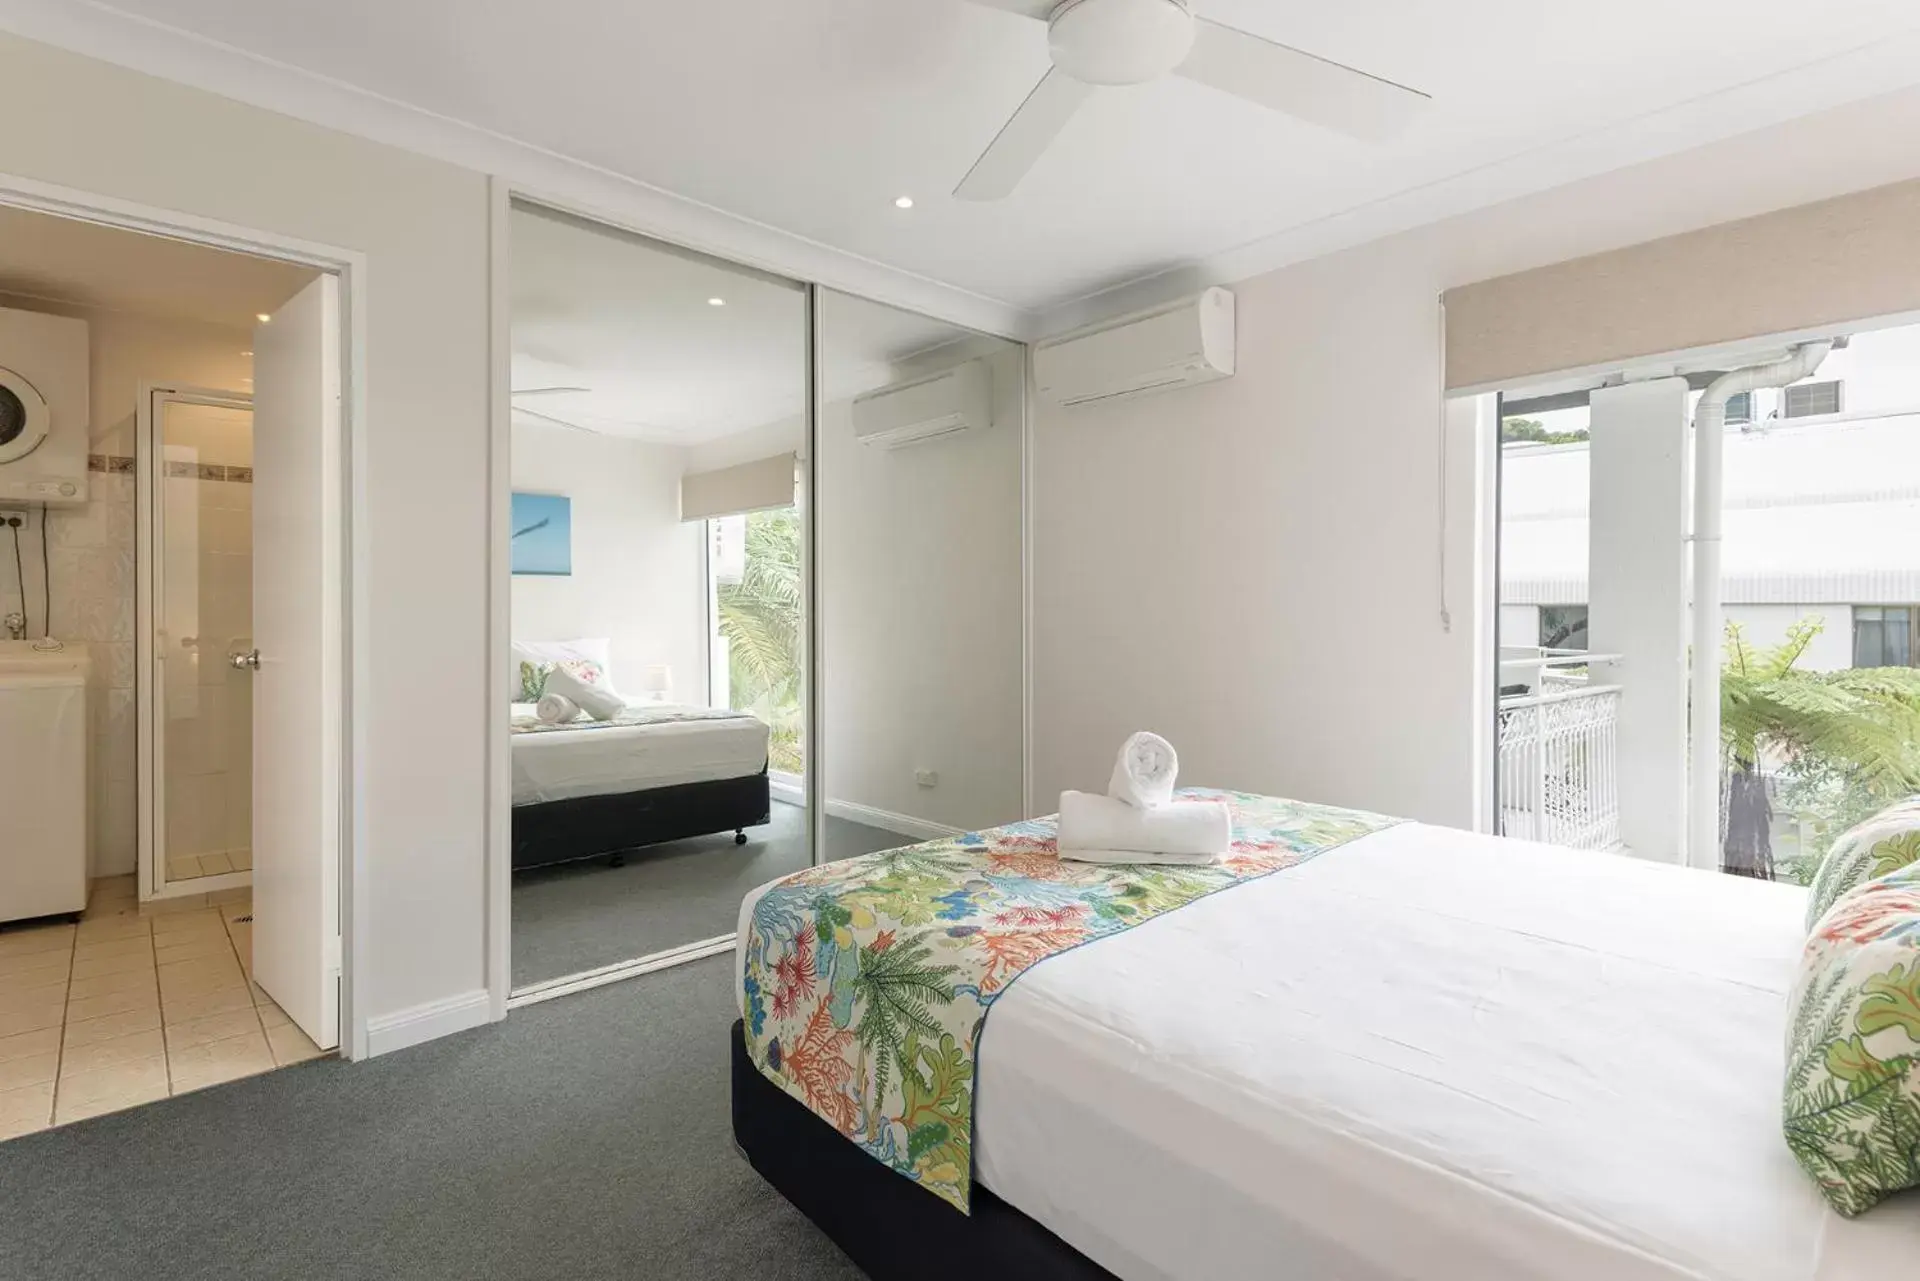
x=926 y=778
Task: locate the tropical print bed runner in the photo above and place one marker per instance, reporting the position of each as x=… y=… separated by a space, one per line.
x=645 y=714
x=867 y=981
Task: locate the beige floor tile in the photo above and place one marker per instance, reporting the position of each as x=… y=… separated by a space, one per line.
x=25 y=1110
x=233 y=902
x=137 y=959
x=171 y=949
x=271 y=1015
x=129 y=980
x=18 y=1073
x=37 y=938
x=111 y=909
x=183 y=867
x=260 y=996
x=110 y=888
x=110 y=1088
x=186 y=907
x=187 y=1009
x=227 y=1060
x=93 y=1007
x=32 y=1020
x=25 y=1045
x=242 y=860
x=215 y=864
x=196 y=978
x=51 y=968
x=213 y=1027
x=106 y=1028
x=181 y=927
x=112 y=929
x=13 y=964
x=290 y=1044
x=117 y=1049
x=138 y=944
x=27 y=998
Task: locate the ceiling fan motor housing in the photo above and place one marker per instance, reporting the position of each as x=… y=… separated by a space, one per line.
x=1120 y=42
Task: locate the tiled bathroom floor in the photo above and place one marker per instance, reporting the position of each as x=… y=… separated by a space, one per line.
x=126 y=1008
x=185 y=867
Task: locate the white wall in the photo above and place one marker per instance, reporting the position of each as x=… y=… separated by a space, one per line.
x=423 y=228
x=920 y=586
x=639 y=573
x=1253 y=567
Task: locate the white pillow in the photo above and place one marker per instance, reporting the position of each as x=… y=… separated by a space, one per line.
x=594 y=650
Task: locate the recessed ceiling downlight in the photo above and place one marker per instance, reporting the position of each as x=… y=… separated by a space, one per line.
x=263 y=317
x=716 y=302
x=903 y=202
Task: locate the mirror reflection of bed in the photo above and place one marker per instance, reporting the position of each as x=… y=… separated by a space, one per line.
x=659 y=533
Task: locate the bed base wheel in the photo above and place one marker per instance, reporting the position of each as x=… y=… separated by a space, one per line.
x=739 y=836
x=616 y=860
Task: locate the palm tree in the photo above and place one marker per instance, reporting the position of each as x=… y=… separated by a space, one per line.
x=1858 y=729
x=762 y=618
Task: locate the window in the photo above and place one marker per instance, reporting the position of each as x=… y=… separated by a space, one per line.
x=1740 y=409
x=1805 y=400
x=1883 y=635
x=1563 y=626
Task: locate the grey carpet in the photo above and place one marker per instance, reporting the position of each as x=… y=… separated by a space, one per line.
x=583 y=915
x=583 y=1138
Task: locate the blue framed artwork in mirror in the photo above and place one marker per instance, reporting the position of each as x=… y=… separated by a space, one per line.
x=542 y=527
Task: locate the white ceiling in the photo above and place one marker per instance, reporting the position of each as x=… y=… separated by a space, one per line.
x=85 y=265
x=812 y=115
x=632 y=322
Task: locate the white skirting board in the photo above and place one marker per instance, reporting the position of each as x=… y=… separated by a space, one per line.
x=887 y=821
x=428 y=1022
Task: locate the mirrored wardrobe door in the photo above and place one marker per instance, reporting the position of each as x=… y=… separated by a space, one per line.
x=657 y=597
x=919 y=486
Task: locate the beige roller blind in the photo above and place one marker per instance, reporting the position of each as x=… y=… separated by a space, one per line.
x=1851 y=258
x=748 y=487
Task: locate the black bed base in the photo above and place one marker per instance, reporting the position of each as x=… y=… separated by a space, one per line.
x=892 y=1228
x=596 y=826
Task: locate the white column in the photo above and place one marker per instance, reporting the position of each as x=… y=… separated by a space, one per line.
x=1637 y=600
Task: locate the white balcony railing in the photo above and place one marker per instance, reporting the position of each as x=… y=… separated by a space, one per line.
x=1558 y=751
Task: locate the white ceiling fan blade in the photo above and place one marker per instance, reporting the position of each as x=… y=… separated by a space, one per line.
x=1299 y=84
x=1022 y=140
x=558 y=422
x=1026 y=8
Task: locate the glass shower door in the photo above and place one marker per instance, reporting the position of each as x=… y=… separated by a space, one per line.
x=197 y=755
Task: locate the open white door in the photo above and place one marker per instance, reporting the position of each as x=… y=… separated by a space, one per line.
x=297 y=631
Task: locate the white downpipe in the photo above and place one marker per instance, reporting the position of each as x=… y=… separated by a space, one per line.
x=1709 y=449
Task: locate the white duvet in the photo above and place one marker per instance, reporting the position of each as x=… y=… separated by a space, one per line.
x=559 y=765
x=1428 y=1054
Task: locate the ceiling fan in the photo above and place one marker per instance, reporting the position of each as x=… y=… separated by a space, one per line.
x=1129 y=42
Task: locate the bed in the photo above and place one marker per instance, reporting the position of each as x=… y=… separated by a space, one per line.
x=659 y=772
x=1425 y=1054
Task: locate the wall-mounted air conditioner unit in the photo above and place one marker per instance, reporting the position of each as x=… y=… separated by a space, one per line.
x=1179 y=345
x=954 y=400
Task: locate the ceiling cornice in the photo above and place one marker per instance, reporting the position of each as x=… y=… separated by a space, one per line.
x=98 y=31
x=1882 y=67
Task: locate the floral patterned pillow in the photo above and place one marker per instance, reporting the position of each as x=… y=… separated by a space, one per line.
x=1852 y=1099
x=1887 y=842
x=533 y=676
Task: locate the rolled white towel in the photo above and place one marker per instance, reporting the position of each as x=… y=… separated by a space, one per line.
x=555 y=709
x=597 y=699
x=1143 y=776
x=1109 y=831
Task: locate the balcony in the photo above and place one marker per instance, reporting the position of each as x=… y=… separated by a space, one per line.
x=1558 y=743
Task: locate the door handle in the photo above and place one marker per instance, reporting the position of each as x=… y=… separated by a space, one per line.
x=246 y=660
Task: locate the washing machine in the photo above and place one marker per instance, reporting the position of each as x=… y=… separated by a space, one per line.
x=43 y=779
x=44 y=414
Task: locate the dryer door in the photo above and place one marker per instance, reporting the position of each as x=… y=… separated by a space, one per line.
x=23 y=417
